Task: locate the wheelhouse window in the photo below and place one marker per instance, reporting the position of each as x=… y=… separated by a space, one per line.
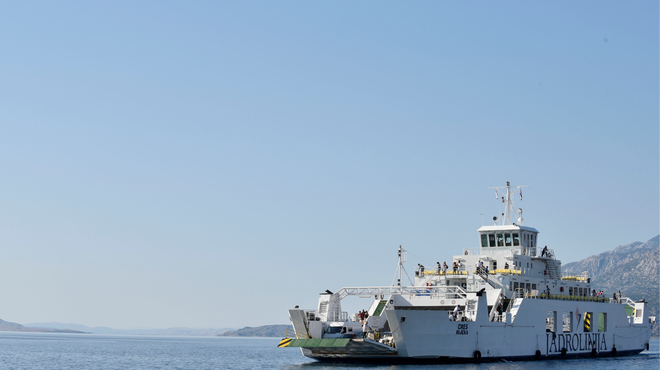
x=516 y=240
x=507 y=239
x=500 y=240
x=491 y=239
x=484 y=240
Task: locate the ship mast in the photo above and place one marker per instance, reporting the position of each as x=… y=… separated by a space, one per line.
x=403 y=254
x=507 y=199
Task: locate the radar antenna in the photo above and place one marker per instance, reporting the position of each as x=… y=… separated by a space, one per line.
x=506 y=193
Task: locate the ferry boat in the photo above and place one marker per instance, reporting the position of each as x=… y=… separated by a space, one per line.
x=506 y=300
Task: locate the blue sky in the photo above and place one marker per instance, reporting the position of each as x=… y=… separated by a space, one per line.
x=212 y=164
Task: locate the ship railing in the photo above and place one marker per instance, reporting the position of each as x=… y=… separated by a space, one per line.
x=533 y=252
x=576 y=278
x=518 y=293
x=445 y=292
x=442 y=273
x=566 y=297
x=290 y=333
x=627 y=301
x=471 y=252
x=338 y=316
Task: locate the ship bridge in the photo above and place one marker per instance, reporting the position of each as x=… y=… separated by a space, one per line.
x=508 y=238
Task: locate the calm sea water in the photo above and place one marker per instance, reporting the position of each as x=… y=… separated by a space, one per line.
x=70 y=351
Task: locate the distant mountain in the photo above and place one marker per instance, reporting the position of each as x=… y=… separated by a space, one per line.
x=261 y=331
x=12 y=326
x=105 y=330
x=634 y=269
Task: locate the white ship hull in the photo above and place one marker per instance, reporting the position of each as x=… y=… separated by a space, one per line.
x=427 y=334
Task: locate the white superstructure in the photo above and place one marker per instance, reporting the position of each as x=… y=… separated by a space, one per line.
x=505 y=299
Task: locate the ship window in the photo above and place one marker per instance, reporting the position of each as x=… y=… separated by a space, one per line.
x=500 y=240
x=602 y=322
x=484 y=240
x=570 y=290
x=550 y=320
x=491 y=239
x=507 y=239
x=567 y=322
x=516 y=240
x=335 y=329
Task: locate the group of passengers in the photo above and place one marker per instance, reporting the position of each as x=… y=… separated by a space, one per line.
x=362 y=316
x=442 y=269
x=481 y=269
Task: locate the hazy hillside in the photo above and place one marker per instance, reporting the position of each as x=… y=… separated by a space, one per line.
x=634 y=269
x=105 y=330
x=12 y=326
x=261 y=331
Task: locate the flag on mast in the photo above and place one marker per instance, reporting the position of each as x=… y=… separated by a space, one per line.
x=520 y=194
